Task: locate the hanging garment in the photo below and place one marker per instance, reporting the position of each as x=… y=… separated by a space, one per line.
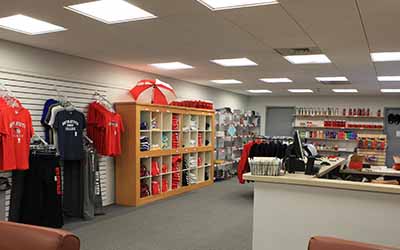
x=105 y=129
x=70 y=126
x=16 y=132
x=73 y=189
x=92 y=200
x=243 y=165
x=36 y=193
x=46 y=107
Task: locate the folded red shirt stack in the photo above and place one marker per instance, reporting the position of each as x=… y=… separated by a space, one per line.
x=155 y=187
x=164 y=185
x=155 y=170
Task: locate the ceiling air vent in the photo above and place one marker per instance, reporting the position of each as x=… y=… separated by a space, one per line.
x=298 y=51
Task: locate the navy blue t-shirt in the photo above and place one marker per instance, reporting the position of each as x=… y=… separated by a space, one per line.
x=70 y=126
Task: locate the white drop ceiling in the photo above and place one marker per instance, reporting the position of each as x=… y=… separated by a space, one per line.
x=188 y=32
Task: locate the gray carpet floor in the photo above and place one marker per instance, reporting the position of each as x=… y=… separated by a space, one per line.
x=218 y=217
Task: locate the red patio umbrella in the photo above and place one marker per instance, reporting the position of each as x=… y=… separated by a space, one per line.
x=153 y=91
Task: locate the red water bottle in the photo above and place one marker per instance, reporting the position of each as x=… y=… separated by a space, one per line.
x=379 y=113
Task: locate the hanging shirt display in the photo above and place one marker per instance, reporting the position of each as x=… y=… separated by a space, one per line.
x=16 y=130
x=70 y=126
x=105 y=128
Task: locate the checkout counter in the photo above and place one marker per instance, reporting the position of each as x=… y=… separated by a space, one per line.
x=290 y=209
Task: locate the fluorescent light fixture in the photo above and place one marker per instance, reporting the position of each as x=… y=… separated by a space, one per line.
x=111 y=11
x=28 y=25
x=171 y=65
x=301 y=90
x=332 y=79
x=385 y=56
x=390 y=90
x=234 y=62
x=259 y=91
x=232 y=4
x=389 y=78
x=345 y=90
x=226 y=81
x=276 y=80
x=308 y=59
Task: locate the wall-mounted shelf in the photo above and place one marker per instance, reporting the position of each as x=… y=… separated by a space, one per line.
x=340 y=117
x=338 y=128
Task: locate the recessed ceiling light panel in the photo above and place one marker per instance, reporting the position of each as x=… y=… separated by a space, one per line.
x=28 y=25
x=111 y=11
x=171 y=66
x=276 y=80
x=390 y=90
x=226 y=81
x=234 y=62
x=301 y=90
x=259 y=91
x=345 y=90
x=232 y=4
x=332 y=79
x=308 y=59
x=389 y=78
x=385 y=56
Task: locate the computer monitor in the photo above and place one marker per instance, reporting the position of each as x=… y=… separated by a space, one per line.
x=297 y=145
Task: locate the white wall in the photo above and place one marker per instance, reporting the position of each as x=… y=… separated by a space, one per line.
x=260 y=103
x=25 y=68
x=27 y=59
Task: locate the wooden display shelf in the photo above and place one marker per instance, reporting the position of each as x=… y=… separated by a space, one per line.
x=341 y=116
x=341 y=128
x=128 y=164
x=331 y=139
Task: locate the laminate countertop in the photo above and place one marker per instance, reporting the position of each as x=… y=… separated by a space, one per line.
x=307 y=180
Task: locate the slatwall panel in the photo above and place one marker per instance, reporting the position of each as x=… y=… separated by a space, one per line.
x=33 y=91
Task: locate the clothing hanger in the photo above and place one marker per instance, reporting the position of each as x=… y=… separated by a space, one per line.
x=103 y=101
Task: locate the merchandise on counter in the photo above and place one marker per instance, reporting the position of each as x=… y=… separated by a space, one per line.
x=261 y=148
x=265 y=166
x=104 y=127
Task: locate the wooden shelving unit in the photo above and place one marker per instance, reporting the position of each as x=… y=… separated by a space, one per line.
x=195 y=141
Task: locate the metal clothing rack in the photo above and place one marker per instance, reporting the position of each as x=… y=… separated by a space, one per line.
x=103 y=100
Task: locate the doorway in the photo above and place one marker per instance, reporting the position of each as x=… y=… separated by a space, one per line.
x=392 y=132
x=279 y=121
